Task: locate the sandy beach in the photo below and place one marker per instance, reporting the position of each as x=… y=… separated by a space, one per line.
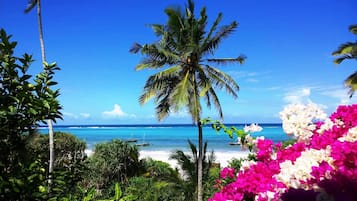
x=221 y=157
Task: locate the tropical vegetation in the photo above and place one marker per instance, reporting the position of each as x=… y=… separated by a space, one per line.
x=320 y=163
x=184 y=52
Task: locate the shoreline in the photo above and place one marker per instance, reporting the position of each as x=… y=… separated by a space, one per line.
x=222 y=157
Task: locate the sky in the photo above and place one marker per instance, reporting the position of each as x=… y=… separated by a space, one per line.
x=288 y=45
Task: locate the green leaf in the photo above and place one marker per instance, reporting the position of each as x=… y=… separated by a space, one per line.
x=118 y=192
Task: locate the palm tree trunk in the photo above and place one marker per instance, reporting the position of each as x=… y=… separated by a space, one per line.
x=42 y=43
x=199 y=165
x=49 y=122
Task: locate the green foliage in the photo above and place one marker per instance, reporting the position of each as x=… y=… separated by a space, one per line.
x=188 y=165
x=113 y=161
x=119 y=195
x=160 y=171
x=230 y=131
x=288 y=142
x=70 y=162
x=24 y=103
x=149 y=189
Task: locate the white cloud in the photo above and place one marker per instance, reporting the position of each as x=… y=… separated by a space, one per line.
x=339 y=93
x=117 y=112
x=252 y=80
x=298 y=96
x=85 y=115
x=75 y=116
x=251 y=77
x=70 y=115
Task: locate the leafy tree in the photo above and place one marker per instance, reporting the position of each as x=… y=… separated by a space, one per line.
x=348 y=51
x=32 y=4
x=113 y=161
x=119 y=195
x=189 y=165
x=150 y=189
x=70 y=161
x=23 y=105
x=183 y=50
x=160 y=171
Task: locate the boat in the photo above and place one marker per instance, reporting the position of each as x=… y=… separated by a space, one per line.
x=131 y=140
x=238 y=142
x=234 y=143
x=143 y=144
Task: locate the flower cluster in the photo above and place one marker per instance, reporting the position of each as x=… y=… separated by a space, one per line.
x=299 y=119
x=324 y=159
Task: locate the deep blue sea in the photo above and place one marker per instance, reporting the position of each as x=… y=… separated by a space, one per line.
x=164 y=137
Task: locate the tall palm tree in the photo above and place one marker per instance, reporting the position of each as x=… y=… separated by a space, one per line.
x=183 y=51
x=189 y=164
x=348 y=51
x=30 y=6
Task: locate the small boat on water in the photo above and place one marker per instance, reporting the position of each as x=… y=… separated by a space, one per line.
x=234 y=143
x=143 y=144
x=131 y=140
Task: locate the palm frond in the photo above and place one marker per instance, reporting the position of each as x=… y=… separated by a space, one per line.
x=224 y=32
x=175 y=21
x=240 y=59
x=223 y=80
x=190 y=7
x=342 y=58
x=157 y=57
x=203 y=81
x=193 y=105
x=163 y=107
x=346 y=48
x=353 y=29
x=163 y=99
x=158 y=29
x=180 y=94
x=351 y=82
x=216 y=102
x=31 y=4
x=158 y=82
x=136 y=47
x=186 y=164
x=212 y=30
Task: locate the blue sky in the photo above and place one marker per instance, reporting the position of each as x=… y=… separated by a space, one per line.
x=288 y=45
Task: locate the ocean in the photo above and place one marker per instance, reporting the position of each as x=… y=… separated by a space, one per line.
x=164 y=137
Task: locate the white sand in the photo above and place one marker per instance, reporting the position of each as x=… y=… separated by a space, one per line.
x=221 y=157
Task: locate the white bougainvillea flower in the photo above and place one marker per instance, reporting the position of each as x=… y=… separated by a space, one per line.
x=351 y=135
x=299 y=119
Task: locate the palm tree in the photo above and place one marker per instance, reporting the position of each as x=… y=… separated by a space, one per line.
x=183 y=51
x=189 y=166
x=348 y=51
x=30 y=6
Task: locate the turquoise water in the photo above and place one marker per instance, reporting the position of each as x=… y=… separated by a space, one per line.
x=165 y=137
